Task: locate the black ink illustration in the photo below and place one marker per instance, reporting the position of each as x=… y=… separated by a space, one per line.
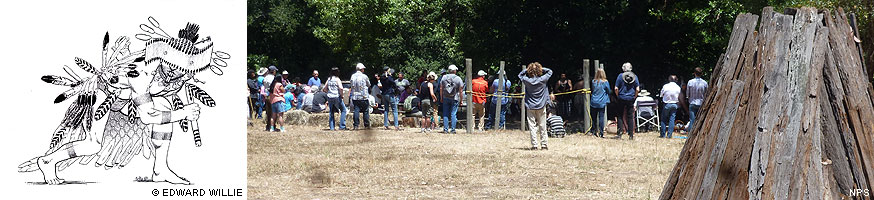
x=147 y=93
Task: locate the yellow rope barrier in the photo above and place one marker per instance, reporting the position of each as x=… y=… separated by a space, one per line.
x=521 y=95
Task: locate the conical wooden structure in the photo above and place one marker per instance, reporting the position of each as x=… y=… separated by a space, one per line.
x=789 y=114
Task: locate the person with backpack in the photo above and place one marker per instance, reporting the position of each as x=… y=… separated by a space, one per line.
x=626 y=89
x=450 y=91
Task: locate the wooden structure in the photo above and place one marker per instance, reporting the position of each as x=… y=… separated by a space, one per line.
x=524 y=110
x=501 y=80
x=468 y=65
x=587 y=84
x=789 y=115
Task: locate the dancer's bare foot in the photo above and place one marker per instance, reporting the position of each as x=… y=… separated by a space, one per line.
x=49 y=171
x=168 y=176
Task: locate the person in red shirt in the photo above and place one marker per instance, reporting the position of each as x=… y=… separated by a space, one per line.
x=480 y=89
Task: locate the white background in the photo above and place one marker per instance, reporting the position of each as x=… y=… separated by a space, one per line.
x=38 y=38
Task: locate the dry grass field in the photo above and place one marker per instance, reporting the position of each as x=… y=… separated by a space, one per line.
x=310 y=163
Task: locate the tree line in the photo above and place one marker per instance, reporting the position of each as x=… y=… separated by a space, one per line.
x=659 y=37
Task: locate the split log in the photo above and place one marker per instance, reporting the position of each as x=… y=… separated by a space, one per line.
x=786 y=116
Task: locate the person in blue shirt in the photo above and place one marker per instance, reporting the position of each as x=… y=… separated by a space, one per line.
x=260 y=84
x=626 y=88
x=504 y=100
x=289 y=97
x=696 y=90
x=315 y=80
x=600 y=99
x=537 y=95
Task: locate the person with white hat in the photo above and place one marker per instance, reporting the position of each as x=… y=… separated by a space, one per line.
x=450 y=91
x=646 y=111
x=480 y=88
x=285 y=80
x=359 y=95
x=262 y=91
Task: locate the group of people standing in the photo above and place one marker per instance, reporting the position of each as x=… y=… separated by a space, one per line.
x=437 y=98
x=628 y=93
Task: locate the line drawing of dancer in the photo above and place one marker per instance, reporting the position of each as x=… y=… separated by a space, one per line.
x=176 y=61
x=73 y=141
x=142 y=106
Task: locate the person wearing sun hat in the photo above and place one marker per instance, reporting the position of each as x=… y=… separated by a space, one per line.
x=643 y=96
x=259 y=104
x=626 y=88
x=359 y=94
x=285 y=80
x=480 y=88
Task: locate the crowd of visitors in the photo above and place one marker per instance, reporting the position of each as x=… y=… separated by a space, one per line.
x=435 y=97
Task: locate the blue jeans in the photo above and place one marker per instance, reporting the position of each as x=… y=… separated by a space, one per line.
x=360 y=106
x=335 y=104
x=693 y=112
x=260 y=105
x=391 y=103
x=491 y=122
x=299 y=100
x=670 y=113
x=598 y=122
x=450 y=107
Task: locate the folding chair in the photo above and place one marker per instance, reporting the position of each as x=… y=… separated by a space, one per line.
x=644 y=121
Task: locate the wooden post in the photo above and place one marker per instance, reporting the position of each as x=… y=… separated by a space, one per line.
x=587 y=120
x=522 y=105
x=501 y=80
x=468 y=65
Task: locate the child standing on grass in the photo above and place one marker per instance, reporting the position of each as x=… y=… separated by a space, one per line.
x=277 y=102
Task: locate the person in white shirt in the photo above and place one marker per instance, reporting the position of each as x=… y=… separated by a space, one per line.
x=670 y=96
x=334 y=89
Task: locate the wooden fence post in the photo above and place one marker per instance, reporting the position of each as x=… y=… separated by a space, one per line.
x=587 y=120
x=497 y=119
x=468 y=65
x=522 y=104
